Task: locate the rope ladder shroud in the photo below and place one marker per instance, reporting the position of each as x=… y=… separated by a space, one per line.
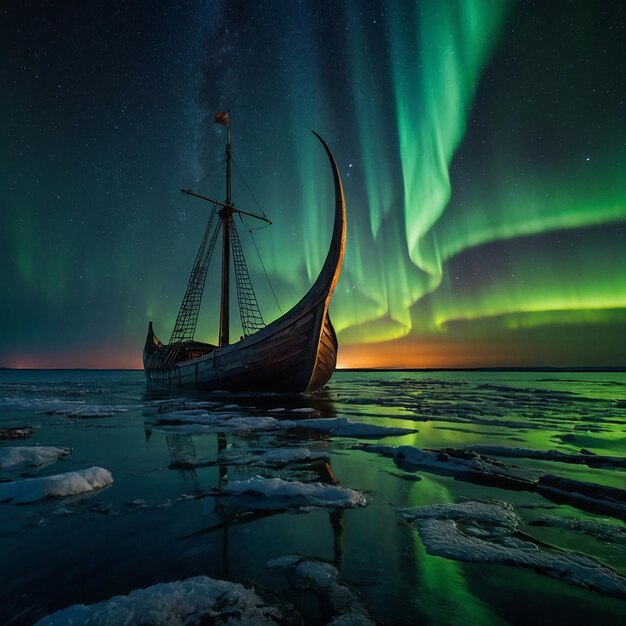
x=187 y=318
x=249 y=311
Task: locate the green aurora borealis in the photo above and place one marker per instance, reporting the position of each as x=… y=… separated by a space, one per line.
x=482 y=146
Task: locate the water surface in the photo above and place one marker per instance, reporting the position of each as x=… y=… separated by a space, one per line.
x=152 y=525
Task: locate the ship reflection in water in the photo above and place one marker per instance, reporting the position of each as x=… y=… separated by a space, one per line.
x=389 y=498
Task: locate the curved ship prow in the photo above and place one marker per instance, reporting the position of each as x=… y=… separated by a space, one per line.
x=295 y=353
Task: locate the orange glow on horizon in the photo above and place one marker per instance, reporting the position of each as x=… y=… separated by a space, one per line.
x=429 y=354
x=76 y=359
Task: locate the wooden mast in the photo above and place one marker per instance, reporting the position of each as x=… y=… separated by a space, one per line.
x=225 y=215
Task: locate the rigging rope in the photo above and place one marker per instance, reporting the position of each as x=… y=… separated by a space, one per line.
x=196 y=214
x=245 y=182
x=218 y=166
x=269 y=282
x=249 y=312
x=250 y=231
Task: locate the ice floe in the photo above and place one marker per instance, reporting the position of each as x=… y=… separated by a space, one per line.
x=259 y=457
x=193 y=602
x=180 y=404
x=271 y=457
x=486 y=532
x=94 y=411
x=469 y=465
x=229 y=422
x=345 y=605
x=462 y=463
x=223 y=422
x=30 y=456
x=251 y=423
x=579 y=492
x=550 y=455
x=489 y=512
x=295 y=493
x=599 y=530
x=67 y=484
x=343 y=427
x=16 y=432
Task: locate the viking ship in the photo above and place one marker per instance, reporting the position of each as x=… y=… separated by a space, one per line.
x=295 y=353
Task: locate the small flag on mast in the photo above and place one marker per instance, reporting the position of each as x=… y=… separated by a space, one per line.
x=221 y=117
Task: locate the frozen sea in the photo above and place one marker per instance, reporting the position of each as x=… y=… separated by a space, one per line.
x=227 y=486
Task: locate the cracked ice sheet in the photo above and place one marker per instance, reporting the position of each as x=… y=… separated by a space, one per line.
x=520 y=408
x=59 y=485
x=278 y=493
x=30 y=456
x=192 y=602
x=485 y=532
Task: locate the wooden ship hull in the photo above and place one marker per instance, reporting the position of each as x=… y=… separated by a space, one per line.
x=295 y=353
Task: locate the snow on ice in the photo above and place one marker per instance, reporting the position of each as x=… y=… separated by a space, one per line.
x=192 y=602
x=346 y=606
x=59 y=485
x=458 y=463
x=303 y=494
x=30 y=456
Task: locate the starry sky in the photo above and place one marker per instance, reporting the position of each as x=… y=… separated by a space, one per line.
x=482 y=145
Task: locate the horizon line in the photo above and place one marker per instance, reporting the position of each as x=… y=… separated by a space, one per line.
x=505 y=368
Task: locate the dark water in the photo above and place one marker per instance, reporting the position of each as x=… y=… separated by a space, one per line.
x=140 y=531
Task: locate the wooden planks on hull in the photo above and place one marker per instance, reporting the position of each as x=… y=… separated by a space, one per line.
x=277 y=361
x=326 y=358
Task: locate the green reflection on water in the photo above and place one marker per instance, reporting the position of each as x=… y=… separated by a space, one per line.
x=445 y=596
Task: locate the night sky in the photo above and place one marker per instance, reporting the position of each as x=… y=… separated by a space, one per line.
x=482 y=146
